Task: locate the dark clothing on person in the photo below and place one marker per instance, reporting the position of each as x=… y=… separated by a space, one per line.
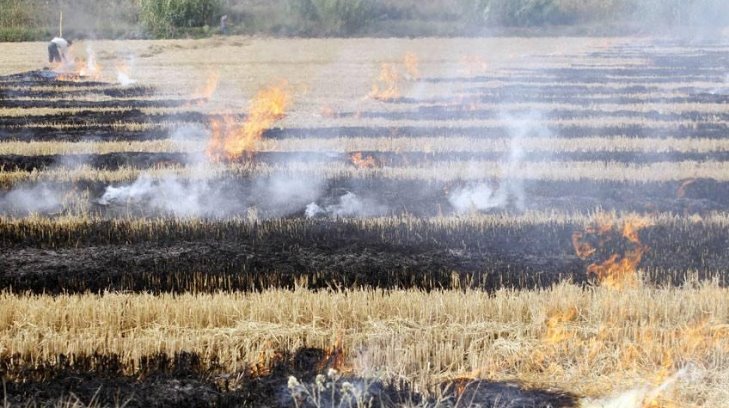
x=53 y=54
x=58 y=50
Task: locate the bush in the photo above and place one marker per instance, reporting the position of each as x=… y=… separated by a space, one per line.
x=164 y=18
x=333 y=17
x=516 y=13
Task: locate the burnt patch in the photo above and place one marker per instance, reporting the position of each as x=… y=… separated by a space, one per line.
x=91 y=117
x=115 y=255
x=461 y=112
x=79 y=104
x=678 y=131
x=187 y=380
x=376 y=159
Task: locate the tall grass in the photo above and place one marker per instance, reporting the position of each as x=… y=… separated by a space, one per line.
x=333 y=16
x=163 y=18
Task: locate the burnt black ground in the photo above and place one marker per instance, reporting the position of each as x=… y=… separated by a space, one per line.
x=112 y=161
x=184 y=380
x=333 y=254
x=339 y=254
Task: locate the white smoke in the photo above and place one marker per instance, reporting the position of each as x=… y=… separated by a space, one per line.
x=643 y=396
x=169 y=195
x=278 y=195
x=123 y=79
x=123 y=72
x=91 y=66
x=349 y=205
x=36 y=199
x=476 y=197
x=313 y=210
x=510 y=191
x=288 y=192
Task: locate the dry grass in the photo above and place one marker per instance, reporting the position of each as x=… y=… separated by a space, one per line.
x=82 y=228
x=323 y=71
x=590 y=341
x=443 y=171
x=384 y=144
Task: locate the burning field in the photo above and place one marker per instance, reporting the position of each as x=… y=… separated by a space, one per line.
x=387 y=223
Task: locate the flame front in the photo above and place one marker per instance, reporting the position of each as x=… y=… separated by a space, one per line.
x=556 y=331
x=230 y=140
x=412 y=66
x=618 y=271
x=363 y=162
x=79 y=70
x=474 y=65
x=387 y=85
x=205 y=92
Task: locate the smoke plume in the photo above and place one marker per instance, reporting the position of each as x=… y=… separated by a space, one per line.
x=509 y=192
x=349 y=205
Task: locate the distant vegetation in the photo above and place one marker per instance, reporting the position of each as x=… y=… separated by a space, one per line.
x=38 y=19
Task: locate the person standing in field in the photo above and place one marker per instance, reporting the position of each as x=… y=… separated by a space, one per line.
x=58 y=50
x=224 y=25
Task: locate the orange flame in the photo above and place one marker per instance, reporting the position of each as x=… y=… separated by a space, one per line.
x=230 y=141
x=387 y=86
x=335 y=357
x=123 y=76
x=361 y=162
x=412 y=66
x=206 y=91
x=474 y=64
x=617 y=271
x=556 y=332
x=683 y=188
x=328 y=112
x=90 y=69
x=79 y=70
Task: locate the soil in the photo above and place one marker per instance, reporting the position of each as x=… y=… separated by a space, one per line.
x=184 y=380
x=328 y=253
x=334 y=254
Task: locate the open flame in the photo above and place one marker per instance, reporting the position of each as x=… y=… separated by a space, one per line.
x=556 y=326
x=644 y=397
x=230 y=140
x=387 y=85
x=683 y=188
x=363 y=162
x=328 y=112
x=205 y=92
x=91 y=68
x=123 y=74
x=79 y=70
x=618 y=271
x=474 y=65
x=412 y=66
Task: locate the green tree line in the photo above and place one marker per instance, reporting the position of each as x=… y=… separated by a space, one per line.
x=39 y=19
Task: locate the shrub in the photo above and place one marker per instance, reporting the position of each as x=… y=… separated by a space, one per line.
x=516 y=13
x=164 y=18
x=341 y=17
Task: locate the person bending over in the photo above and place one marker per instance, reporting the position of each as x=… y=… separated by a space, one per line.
x=58 y=50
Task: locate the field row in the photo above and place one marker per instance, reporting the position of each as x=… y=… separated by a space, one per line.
x=380 y=144
x=590 y=342
x=136 y=120
x=487 y=252
x=443 y=171
x=459 y=106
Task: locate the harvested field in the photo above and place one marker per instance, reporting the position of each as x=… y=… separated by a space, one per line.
x=497 y=222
